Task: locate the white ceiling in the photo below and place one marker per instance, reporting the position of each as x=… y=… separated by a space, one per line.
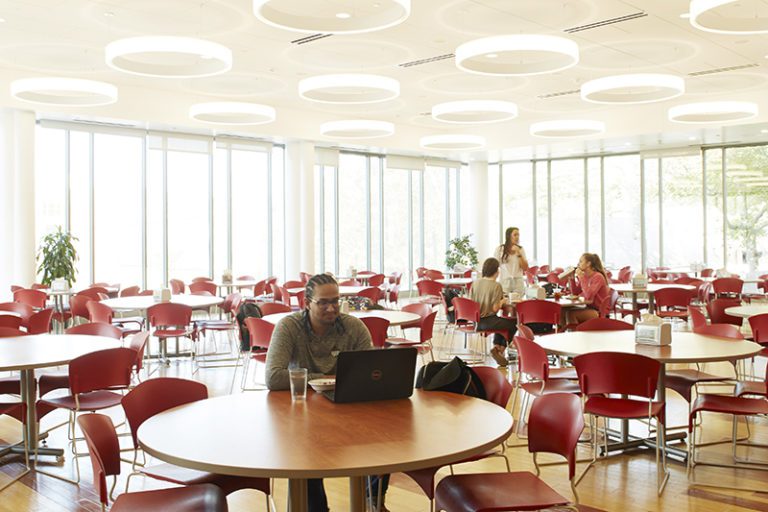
x=67 y=38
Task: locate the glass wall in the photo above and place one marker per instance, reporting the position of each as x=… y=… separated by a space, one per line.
x=568 y=216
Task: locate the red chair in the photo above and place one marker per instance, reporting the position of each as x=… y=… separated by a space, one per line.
x=431 y=292
x=610 y=373
x=10 y=332
x=131 y=291
x=467 y=314
x=433 y=275
x=424 y=345
x=759 y=326
x=298 y=297
x=727 y=286
x=497 y=390
x=30 y=297
x=40 y=322
x=260 y=288
x=539 y=312
x=698 y=319
x=157 y=395
x=378 y=328
x=556 y=423
x=376 y=280
x=138 y=342
x=177 y=286
x=418 y=308
x=392 y=295
x=203 y=288
x=95 y=292
x=104 y=449
x=737 y=406
x=10 y=321
x=24 y=311
x=604 y=324
x=350 y=282
x=260 y=335
x=707 y=272
x=101 y=313
x=93 y=380
x=170 y=321
x=78 y=307
x=371 y=293
x=270 y=308
x=673 y=302
x=230 y=307
x=525 y=332
x=544 y=269
x=420 y=271
x=716 y=311
x=305 y=277
x=533 y=377
x=280 y=294
x=201 y=279
x=703 y=293
x=147 y=293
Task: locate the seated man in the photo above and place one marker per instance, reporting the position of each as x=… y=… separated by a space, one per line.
x=311 y=339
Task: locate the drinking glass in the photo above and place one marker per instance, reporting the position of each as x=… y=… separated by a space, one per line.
x=298 y=379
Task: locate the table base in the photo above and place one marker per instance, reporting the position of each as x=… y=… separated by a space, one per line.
x=632 y=443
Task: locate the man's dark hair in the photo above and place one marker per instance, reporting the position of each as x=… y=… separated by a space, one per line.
x=490 y=267
x=314 y=282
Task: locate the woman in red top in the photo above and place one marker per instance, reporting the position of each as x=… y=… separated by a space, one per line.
x=591 y=284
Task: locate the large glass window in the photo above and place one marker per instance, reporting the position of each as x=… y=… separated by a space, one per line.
x=568 y=202
x=682 y=210
x=517 y=204
x=435 y=208
x=652 y=209
x=80 y=204
x=250 y=213
x=541 y=256
x=622 y=211
x=396 y=221
x=50 y=181
x=353 y=186
x=715 y=208
x=595 y=206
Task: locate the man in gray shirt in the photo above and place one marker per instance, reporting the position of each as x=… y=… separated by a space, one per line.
x=311 y=339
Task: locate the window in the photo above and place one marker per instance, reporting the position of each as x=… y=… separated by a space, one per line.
x=682 y=210
x=250 y=212
x=396 y=221
x=568 y=202
x=517 y=204
x=435 y=218
x=622 y=211
x=715 y=208
x=353 y=187
x=50 y=182
x=541 y=234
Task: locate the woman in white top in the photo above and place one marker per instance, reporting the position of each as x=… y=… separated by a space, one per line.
x=513 y=262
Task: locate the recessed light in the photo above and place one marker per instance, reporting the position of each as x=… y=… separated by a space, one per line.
x=343 y=15
x=763 y=131
x=2 y=20
x=691 y=138
x=492 y=56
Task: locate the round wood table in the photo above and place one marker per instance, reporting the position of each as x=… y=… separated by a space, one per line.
x=236 y=283
x=747 y=311
x=27 y=353
x=455 y=281
x=266 y=435
x=395 y=317
x=144 y=302
x=652 y=288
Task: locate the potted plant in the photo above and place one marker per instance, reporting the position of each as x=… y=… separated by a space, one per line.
x=57 y=256
x=461 y=253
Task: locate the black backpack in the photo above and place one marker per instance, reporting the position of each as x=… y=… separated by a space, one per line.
x=454 y=377
x=247 y=309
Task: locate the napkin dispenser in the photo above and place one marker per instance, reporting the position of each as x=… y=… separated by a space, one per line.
x=640 y=281
x=535 y=292
x=226 y=276
x=59 y=285
x=162 y=295
x=651 y=330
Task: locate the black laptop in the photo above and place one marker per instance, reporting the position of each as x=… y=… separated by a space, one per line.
x=378 y=374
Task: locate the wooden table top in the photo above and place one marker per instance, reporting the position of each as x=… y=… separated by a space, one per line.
x=652 y=287
x=143 y=302
x=686 y=347
x=394 y=317
x=747 y=311
x=265 y=435
x=46 y=350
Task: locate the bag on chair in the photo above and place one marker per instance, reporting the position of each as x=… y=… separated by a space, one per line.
x=454 y=377
x=247 y=309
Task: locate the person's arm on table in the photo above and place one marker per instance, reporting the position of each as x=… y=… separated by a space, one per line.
x=281 y=348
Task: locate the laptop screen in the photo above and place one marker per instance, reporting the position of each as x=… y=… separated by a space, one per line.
x=377 y=374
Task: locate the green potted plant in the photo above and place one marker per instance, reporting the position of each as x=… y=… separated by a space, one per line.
x=461 y=253
x=57 y=256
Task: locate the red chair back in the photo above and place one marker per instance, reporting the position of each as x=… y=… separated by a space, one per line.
x=673 y=297
x=260 y=331
x=376 y=280
x=554 y=426
x=281 y=294
x=139 y=344
x=716 y=310
x=10 y=332
x=30 y=297
x=727 y=286
x=697 y=317
x=177 y=286
x=544 y=269
x=40 y=322
x=759 y=325
x=720 y=330
x=466 y=311
x=78 y=306
x=370 y=293
x=270 y=308
x=433 y=274
x=704 y=291
x=497 y=387
x=203 y=288
x=429 y=288
x=104 y=369
x=154 y=396
x=260 y=288
x=420 y=271
x=201 y=279
x=524 y=331
x=25 y=311
x=604 y=324
x=427 y=326
x=418 y=308
x=95 y=292
x=538 y=311
x=378 y=328
x=98 y=312
x=10 y=321
x=96 y=329
x=169 y=314
x=613 y=372
x=305 y=277
x=532 y=359
x=707 y=272
x=131 y=291
x=104 y=449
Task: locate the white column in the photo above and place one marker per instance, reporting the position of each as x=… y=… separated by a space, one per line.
x=478 y=208
x=299 y=214
x=17 y=191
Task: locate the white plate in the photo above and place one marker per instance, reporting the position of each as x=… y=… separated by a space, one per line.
x=324 y=384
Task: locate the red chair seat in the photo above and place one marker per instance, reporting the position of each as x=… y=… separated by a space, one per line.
x=563 y=373
x=551 y=386
x=625 y=408
x=198 y=498
x=683 y=380
x=730 y=405
x=750 y=387
x=495 y=492
x=183 y=476
x=672 y=314
x=171 y=333
x=93 y=401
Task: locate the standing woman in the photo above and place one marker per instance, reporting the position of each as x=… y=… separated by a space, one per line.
x=592 y=285
x=513 y=262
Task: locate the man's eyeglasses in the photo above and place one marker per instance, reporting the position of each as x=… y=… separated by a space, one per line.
x=324 y=303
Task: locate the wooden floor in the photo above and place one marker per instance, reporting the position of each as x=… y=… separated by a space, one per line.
x=623 y=482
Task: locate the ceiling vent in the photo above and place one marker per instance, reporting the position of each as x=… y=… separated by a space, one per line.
x=426 y=61
x=722 y=70
x=310 y=39
x=605 y=23
x=557 y=94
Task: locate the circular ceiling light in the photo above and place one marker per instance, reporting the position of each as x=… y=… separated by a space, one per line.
x=474 y=111
x=450 y=141
x=729 y=16
x=64 y=91
x=332 y=16
x=517 y=55
x=567 y=128
x=349 y=88
x=232 y=112
x=713 y=112
x=168 y=56
x=357 y=129
x=633 y=88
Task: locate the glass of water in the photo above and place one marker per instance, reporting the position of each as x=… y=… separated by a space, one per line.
x=298 y=379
